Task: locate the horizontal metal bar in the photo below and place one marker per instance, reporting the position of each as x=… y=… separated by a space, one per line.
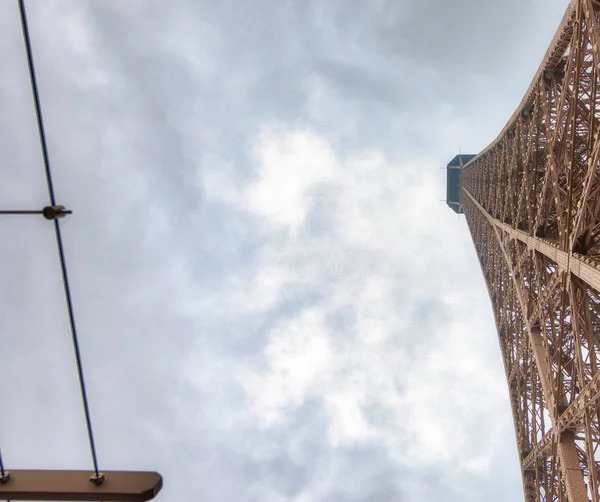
x=79 y=485
x=49 y=212
x=20 y=212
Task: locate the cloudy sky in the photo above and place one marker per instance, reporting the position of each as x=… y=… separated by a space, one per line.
x=273 y=303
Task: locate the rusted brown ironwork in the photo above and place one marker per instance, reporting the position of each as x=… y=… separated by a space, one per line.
x=532 y=203
x=80 y=485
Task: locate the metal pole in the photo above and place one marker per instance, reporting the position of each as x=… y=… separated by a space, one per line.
x=49 y=212
x=20 y=212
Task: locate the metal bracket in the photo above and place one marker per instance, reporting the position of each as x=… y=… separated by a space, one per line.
x=55 y=212
x=97 y=478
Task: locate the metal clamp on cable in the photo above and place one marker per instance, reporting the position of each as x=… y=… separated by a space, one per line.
x=97 y=478
x=55 y=212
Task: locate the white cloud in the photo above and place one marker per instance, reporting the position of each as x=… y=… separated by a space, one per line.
x=383 y=372
x=292 y=166
x=299 y=356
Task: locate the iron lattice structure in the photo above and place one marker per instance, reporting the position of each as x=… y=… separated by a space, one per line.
x=532 y=203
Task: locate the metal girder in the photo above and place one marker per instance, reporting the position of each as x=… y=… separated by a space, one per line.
x=532 y=202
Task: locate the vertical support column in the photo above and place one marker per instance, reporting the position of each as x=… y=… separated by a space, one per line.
x=569 y=461
x=529 y=485
x=539 y=352
x=567 y=452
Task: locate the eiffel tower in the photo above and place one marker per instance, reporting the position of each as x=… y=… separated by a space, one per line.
x=532 y=203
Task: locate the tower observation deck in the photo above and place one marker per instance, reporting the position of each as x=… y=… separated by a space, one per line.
x=453 y=184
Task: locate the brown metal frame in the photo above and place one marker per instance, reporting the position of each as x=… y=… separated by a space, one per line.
x=532 y=202
x=80 y=485
x=74 y=485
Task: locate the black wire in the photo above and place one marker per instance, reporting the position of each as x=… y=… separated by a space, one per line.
x=36 y=98
x=59 y=243
x=2 y=468
x=10 y=211
x=86 y=408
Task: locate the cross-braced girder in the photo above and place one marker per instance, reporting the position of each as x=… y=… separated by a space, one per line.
x=532 y=202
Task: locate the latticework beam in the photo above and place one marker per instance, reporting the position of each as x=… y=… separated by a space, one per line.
x=532 y=202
